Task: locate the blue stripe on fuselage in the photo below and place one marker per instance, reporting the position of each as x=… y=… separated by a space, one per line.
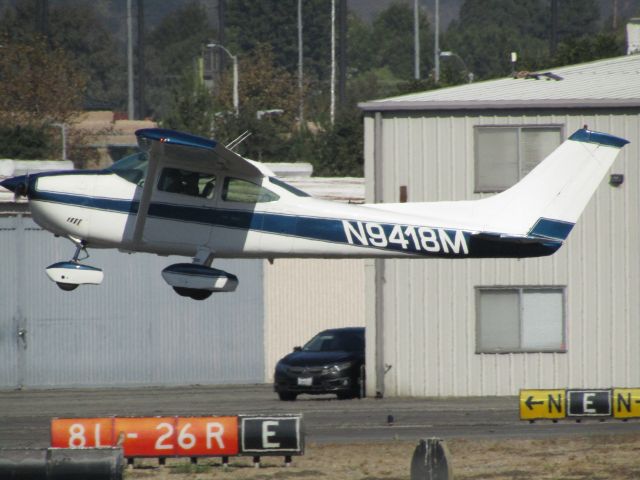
x=412 y=240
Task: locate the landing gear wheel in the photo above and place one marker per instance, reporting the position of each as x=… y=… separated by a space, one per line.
x=194 y=293
x=287 y=396
x=67 y=287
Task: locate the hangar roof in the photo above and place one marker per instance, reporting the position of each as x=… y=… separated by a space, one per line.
x=609 y=83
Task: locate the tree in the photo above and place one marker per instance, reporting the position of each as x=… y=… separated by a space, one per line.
x=268 y=107
x=191 y=107
x=40 y=86
x=173 y=50
x=489 y=30
x=79 y=30
x=588 y=48
x=338 y=149
x=275 y=22
x=393 y=41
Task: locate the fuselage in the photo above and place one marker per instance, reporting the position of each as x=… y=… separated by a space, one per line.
x=249 y=217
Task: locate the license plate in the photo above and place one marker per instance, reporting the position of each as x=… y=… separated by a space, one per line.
x=305 y=381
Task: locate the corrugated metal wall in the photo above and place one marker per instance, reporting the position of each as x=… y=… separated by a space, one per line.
x=131 y=330
x=428 y=306
x=305 y=296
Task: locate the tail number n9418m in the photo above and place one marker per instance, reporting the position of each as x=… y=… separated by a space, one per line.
x=405 y=237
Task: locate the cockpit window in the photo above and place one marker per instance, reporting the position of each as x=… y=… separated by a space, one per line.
x=132 y=168
x=186 y=182
x=289 y=188
x=237 y=190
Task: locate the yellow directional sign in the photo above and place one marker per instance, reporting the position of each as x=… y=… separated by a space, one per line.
x=538 y=404
x=626 y=402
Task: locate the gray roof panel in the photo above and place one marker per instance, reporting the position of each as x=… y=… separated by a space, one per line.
x=613 y=82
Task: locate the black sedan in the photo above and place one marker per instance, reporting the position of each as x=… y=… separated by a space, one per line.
x=331 y=362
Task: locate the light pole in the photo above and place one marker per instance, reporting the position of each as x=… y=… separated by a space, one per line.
x=449 y=54
x=234 y=59
x=63 y=130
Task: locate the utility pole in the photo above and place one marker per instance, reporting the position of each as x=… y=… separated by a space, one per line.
x=300 y=71
x=42 y=18
x=416 y=40
x=220 y=61
x=553 y=41
x=342 y=51
x=332 y=107
x=141 y=79
x=436 y=44
x=131 y=98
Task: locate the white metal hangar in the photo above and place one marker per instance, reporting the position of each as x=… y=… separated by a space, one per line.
x=493 y=326
x=133 y=329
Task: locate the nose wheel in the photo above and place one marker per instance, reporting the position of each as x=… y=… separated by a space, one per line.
x=71 y=274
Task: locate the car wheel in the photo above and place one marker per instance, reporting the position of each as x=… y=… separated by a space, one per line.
x=287 y=396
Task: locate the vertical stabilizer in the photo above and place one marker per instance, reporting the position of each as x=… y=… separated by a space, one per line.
x=551 y=198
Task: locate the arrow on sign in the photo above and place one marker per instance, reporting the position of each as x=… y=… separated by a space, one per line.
x=530 y=403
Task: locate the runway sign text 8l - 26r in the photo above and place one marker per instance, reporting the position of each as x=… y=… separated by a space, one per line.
x=184 y=436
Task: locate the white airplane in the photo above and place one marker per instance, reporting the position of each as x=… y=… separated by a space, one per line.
x=190 y=196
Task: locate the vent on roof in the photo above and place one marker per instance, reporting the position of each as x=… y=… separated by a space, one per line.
x=538 y=75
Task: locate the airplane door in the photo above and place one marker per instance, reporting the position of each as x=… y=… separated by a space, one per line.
x=180 y=211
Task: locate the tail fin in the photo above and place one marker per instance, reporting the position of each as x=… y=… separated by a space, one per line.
x=550 y=199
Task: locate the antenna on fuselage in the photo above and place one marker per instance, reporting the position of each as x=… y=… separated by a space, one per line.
x=232 y=145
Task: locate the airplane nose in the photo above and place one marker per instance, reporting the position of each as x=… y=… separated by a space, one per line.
x=18 y=185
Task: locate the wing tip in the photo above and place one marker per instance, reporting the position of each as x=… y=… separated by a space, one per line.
x=589 y=136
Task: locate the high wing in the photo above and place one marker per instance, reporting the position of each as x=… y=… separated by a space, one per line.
x=162 y=142
x=164 y=145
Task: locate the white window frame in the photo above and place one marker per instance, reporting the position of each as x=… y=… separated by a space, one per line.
x=521 y=290
x=518 y=128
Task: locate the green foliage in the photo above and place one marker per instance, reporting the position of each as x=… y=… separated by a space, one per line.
x=588 y=48
x=274 y=22
x=191 y=106
x=487 y=31
x=262 y=86
x=25 y=143
x=338 y=149
x=393 y=42
x=173 y=48
x=39 y=85
x=77 y=29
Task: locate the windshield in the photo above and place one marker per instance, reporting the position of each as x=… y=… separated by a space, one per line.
x=132 y=168
x=289 y=188
x=336 y=341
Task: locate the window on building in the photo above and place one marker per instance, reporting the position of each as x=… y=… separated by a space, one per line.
x=520 y=319
x=237 y=190
x=505 y=154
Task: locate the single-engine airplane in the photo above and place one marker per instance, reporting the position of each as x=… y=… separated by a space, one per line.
x=189 y=196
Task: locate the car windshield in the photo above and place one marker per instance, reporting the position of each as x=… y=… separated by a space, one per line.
x=334 y=341
x=132 y=168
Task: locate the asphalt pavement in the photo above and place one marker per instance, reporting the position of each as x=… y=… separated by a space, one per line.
x=25 y=415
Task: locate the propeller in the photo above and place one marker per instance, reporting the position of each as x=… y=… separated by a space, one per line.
x=22 y=189
x=18 y=185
